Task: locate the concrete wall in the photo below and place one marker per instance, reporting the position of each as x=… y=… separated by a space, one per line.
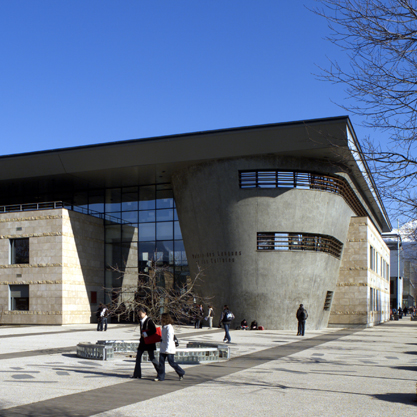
x=351 y=302
x=219 y=223
x=65 y=263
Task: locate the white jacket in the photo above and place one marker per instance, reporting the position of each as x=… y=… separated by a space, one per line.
x=167 y=342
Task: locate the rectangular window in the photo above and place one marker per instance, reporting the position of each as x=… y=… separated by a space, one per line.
x=19 y=297
x=372 y=258
x=371 y=301
x=93 y=297
x=19 y=251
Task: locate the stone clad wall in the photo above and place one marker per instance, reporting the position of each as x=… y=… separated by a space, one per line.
x=352 y=297
x=65 y=256
x=220 y=222
x=43 y=274
x=83 y=266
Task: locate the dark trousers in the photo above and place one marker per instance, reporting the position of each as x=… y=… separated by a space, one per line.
x=161 y=370
x=301 y=327
x=137 y=373
x=101 y=323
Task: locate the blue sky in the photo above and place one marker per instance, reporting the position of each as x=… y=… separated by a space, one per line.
x=84 y=72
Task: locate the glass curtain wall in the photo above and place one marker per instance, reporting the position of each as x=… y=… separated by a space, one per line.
x=141 y=227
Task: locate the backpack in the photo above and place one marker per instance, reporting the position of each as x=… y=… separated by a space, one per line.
x=303 y=315
x=228 y=316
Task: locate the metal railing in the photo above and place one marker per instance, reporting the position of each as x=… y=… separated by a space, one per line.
x=51 y=205
x=302 y=180
x=284 y=241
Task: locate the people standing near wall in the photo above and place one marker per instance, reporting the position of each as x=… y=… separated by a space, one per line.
x=301 y=317
x=99 y=319
x=168 y=349
x=147 y=328
x=225 y=319
x=197 y=315
x=210 y=315
x=201 y=316
x=104 y=313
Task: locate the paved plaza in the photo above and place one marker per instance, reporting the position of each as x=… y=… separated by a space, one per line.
x=337 y=372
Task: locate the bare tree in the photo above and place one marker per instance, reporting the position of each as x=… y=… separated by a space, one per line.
x=380 y=40
x=156 y=291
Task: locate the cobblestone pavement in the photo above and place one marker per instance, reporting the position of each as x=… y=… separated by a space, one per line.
x=338 y=372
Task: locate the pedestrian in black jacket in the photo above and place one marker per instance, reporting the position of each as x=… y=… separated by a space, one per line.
x=301 y=317
x=147 y=328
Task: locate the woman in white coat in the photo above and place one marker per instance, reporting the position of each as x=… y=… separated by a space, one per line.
x=167 y=349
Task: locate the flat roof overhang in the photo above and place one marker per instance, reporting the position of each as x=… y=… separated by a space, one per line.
x=153 y=160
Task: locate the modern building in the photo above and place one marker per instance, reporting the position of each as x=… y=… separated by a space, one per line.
x=276 y=215
x=397 y=277
x=402 y=244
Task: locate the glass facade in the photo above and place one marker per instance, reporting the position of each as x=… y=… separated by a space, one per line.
x=141 y=227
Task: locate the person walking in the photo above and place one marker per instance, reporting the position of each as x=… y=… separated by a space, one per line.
x=147 y=328
x=167 y=349
x=225 y=319
x=210 y=315
x=301 y=317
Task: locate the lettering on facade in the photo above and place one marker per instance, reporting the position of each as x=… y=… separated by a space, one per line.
x=217 y=257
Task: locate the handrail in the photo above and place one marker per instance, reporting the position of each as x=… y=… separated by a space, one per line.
x=51 y=205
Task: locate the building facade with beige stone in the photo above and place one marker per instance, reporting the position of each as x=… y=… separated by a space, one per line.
x=362 y=293
x=59 y=264
x=275 y=215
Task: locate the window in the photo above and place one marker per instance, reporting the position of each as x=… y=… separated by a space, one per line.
x=372 y=258
x=19 y=297
x=93 y=297
x=284 y=241
x=19 y=251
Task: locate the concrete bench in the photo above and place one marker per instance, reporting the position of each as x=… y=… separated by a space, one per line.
x=194 y=353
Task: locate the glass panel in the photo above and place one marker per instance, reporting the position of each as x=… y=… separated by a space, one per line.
x=19 y=297
x=113 y=200
x=19 y=251
x=114 y=258
x=96 y=200
x=147 y=197
x=130 y=254
x=129 y=233
x=113 y=233
x=146 y=231
x=175 y=214
x=180 y=256
x=146 y=255
x=164 y=215
x=164 y=231
x=130 y=216
x=164 y=253
x=177 y=231
x=165 y=199
x=146 y=216
x=81 y=200
x=130 y=197
x=115 y=217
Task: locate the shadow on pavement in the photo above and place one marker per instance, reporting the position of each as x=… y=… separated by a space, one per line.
x=401 y=398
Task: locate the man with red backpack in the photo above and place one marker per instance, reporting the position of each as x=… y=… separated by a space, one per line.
x=147 y=328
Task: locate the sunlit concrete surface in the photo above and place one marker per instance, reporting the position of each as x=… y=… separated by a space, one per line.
x=338 y=372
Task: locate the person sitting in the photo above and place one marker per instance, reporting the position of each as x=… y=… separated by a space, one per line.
x=244 y=325
x=254 y=325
